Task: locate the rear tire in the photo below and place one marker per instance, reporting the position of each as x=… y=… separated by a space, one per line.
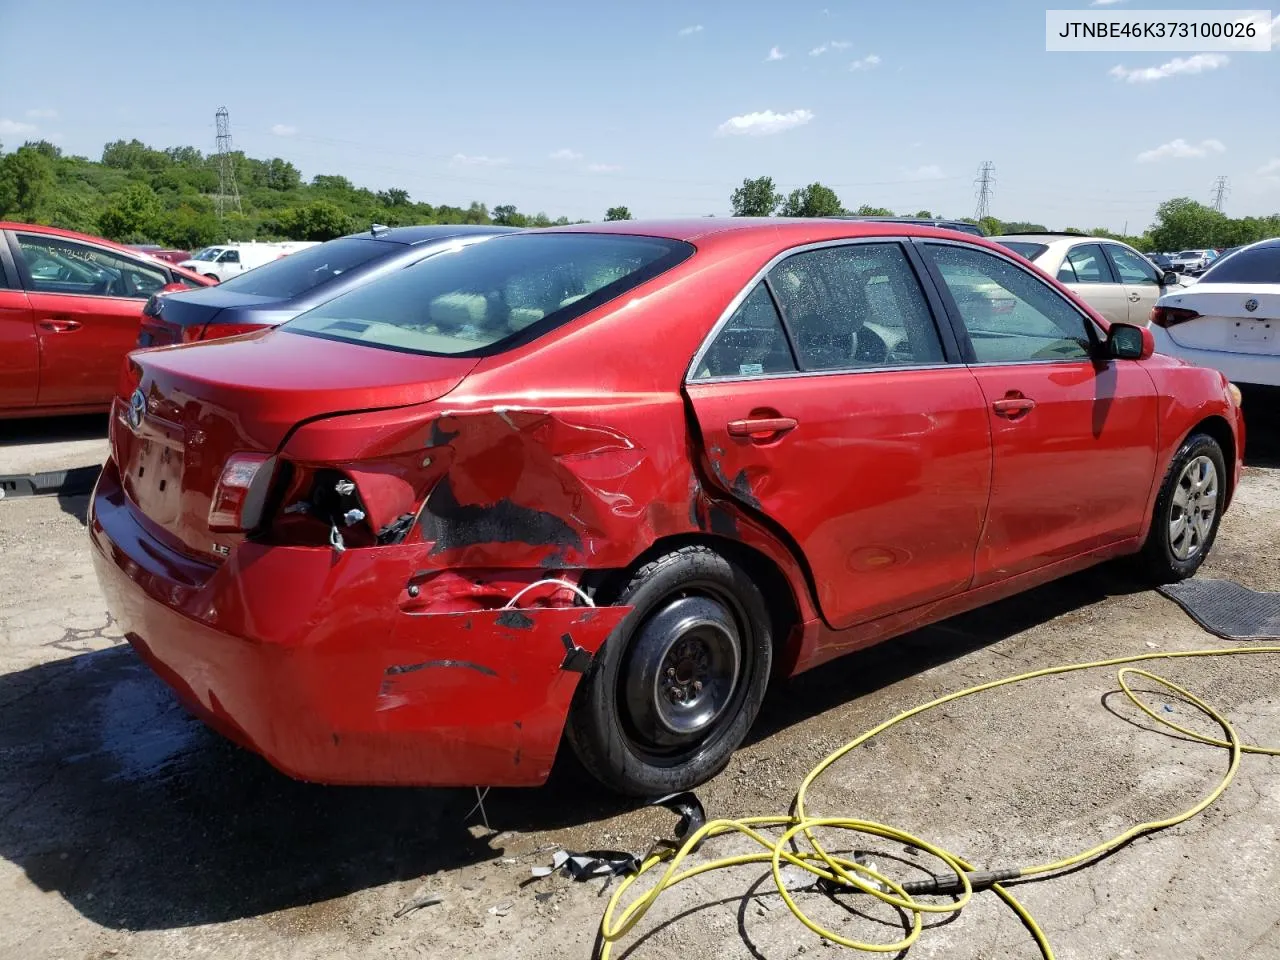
x=676 y=687
x=1187 y=512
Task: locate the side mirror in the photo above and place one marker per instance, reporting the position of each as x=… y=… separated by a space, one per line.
x=1170 y=277
x=1127 y=341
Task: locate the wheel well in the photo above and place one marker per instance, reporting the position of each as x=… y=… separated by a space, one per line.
x=1220 y=430
x=780 y=599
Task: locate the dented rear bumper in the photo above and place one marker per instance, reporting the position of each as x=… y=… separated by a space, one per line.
x=309 y=658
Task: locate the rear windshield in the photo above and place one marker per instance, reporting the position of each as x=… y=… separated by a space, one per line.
x=307 y=269
x=509 y=289
x=1246 y=266
x=1023 y=248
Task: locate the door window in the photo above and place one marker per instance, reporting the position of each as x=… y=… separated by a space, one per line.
x=750 y=344
x=65 y=266
x=1009 y=314
x=856 y=306
x=1130 y=267
x=1085 y=263
x=231 y=256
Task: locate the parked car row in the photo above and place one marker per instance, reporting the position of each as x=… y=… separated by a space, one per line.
x=602 y=482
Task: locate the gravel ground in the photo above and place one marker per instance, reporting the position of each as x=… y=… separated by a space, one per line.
x=129 y=831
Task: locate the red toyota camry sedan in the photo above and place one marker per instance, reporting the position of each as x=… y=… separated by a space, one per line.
x=603 y=482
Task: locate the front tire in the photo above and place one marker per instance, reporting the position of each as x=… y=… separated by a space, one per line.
x=1187 y=513
x=677 y=686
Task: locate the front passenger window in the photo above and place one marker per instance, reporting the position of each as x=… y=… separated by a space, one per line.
x=1131 y=267
x=1010 y=315
x=1088 y=264
x=231 y=256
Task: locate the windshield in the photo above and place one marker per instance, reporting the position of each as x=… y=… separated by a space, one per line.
x=469 y=300
x=1024 y=248
x=1189 y=253
x=307 y=269
x=1260 y=265
x=208 y=253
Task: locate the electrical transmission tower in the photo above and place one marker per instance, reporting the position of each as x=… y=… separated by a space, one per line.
x=1220 y=191
x=986 y=188
x=228 y=193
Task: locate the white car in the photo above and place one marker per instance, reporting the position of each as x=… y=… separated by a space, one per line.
x=226 y=260
x=1112 y=277
x=1193 y=261
x=1230 y=320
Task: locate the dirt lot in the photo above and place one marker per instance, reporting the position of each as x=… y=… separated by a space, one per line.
x=128 y=831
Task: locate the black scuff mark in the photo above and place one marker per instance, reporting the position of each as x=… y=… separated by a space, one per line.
x=576 y=659
x=557 y=560
x=397 y=669
x=515 y=620
x=336 y=739
x=452 y=525
x=741 y=488
x=519 y=724
x=515 y=760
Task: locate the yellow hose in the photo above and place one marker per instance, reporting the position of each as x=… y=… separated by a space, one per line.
x=846 y=872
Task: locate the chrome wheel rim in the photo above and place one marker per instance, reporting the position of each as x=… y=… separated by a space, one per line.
x=1194 y=508
x=682 y=673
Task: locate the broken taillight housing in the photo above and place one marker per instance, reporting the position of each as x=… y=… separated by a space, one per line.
x=1171 y=316
x=241 y=492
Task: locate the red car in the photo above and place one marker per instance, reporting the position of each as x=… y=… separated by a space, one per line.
x=607 y=480
x=160 y=253
x=70 y=309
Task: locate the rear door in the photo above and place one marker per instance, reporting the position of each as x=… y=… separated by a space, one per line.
x=1140 y=279
x=1073 y=437
x=827 y=402
x=87 y=303
x=19 y=348
x=1086 y=270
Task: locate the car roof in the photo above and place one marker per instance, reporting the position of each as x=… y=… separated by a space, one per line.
x=428 y=232
x=707 y=232
x=70 y=235
x=1054 y=238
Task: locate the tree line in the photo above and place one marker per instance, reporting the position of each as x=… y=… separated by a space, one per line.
x=1179 y=224
x=138 y=194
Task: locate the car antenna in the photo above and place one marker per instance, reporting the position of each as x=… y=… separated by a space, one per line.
x=377 y=228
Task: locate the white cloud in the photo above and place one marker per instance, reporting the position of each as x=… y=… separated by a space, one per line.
x=283 y=130
x=565 y=153
x=1270 y=169
x=12 y=128
x=1105 y=3
x=774 y=54
x=819 y=51
x=764 y=122
x=603 y=168
x=43 y=113
x=840 y=44
x=930 y=171
x=1197 y=63
x=463 y=160
x=690 y=31
x=1181 y=150
x=869 y=62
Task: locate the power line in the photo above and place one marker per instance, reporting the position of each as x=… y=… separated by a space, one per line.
x=228 y=193
x=986 y=188
x=1220 y=191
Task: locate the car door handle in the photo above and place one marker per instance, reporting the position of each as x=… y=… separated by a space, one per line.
x=1012 y=408
x=761 y=426
x=1135 y=297
x=59 y=324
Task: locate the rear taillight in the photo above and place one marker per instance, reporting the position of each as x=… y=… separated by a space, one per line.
x=1171 y=316
x=240 y=493
x=217 y=331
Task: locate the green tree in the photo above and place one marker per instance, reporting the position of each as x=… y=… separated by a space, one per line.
x=321 y=220
x=26 y=181
x=923 y=215
x=991 y=226
x=618 y=213
x=815 y=200
x=132 y=215
x=869 y=211
x=394 y=197
x=506 y=215
x=1184 y=223
x=756 y=198
x=1024 y=226
x=282 y=175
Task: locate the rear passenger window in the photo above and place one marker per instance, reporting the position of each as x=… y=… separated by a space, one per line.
x=856 y=306
x=750 y=344
x=1088 y=265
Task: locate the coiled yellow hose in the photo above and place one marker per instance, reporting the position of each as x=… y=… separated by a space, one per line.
x=845 y=872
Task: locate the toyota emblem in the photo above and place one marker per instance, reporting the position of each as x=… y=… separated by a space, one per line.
x=1251 y=304
x=137 y=407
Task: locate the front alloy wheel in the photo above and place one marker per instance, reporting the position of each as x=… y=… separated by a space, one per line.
x=1194 y=508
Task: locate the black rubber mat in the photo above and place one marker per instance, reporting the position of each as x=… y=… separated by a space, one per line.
x=1227 y=609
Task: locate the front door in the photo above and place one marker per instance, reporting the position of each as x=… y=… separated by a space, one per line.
x=87 y=303
x=848 y=428
x=1140 y=279
x=19 y=348
x=1073 y=437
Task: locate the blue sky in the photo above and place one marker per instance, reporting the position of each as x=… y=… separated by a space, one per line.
x=570 y=107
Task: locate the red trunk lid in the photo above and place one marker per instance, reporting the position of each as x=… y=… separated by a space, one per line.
x=206 y=401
